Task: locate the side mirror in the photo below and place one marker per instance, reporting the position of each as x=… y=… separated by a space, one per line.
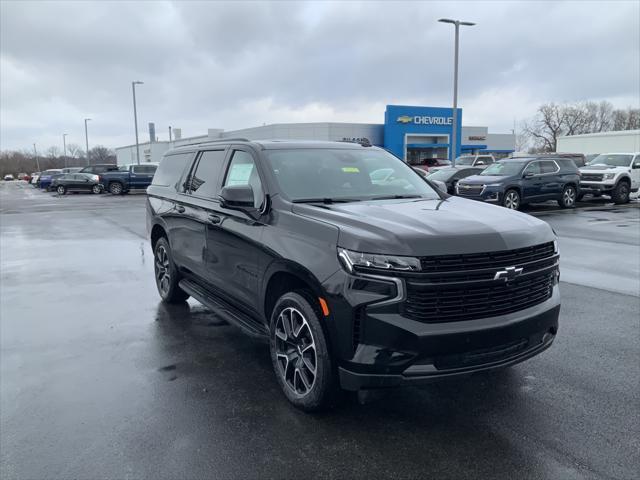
x=636 y=165
x=237 y=197
x=440 y=184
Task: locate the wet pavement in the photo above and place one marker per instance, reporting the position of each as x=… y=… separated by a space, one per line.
x=98 y=379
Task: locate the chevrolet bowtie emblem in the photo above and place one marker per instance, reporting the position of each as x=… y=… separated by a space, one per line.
x=508 y=274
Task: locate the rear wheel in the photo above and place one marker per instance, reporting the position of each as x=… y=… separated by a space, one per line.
x=621 y=192
x=115 y=188
x=511 y=199
x=61 y=190
x=299 y=353
x=96 y=189
x=568 y=198
x=166 y=273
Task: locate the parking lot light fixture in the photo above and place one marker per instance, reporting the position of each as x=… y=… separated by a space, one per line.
x=454 y=140
x=64 y=147
x=86 y=138
x=135 y=116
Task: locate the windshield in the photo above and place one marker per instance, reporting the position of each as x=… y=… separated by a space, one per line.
x=465 y=160
x=443 y=175
x=346 y=174
x=612 y=160
x=503 y=169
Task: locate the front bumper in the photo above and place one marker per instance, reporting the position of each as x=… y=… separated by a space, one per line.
x=383 y=348
x=600 y=187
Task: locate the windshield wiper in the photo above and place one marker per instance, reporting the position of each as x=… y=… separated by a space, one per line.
x=326 y=200
x=395 y=197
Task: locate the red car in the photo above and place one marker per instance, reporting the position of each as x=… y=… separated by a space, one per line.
x=429 y=163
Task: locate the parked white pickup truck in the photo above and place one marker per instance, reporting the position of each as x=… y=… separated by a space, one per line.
x=613 y=174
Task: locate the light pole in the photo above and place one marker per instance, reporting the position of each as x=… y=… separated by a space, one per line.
x=86 y=138
x=169 y=132
x=35 y=154
x=454 y=141
x=64 y=146
x=135 y=117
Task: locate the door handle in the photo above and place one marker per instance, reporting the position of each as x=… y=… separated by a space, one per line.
x=180 y=209
x=215 y=219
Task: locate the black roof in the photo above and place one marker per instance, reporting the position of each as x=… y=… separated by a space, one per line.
x=273 y=144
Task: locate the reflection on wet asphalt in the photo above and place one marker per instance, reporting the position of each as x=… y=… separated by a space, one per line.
x=98 y=379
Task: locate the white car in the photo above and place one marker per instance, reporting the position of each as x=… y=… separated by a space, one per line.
x=481 y=161
x=613 y=174
x=8 y=177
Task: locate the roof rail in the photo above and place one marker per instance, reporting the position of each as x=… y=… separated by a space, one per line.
x=239 y=139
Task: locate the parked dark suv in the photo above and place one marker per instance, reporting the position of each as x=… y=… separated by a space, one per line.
x=357 y=280
x=516 y=181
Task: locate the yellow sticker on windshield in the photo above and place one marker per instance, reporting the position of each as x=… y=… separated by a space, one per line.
x=350 y=170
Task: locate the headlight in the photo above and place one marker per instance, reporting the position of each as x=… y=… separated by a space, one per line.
x=352 y=259
x=609 y=176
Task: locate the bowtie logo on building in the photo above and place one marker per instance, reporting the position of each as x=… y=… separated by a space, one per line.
x=405 y=119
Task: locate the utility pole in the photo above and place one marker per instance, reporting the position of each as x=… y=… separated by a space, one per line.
x=135 y=117
x=169 y=132
x=64 y=146
x=86 y=138
x=454 y=140
x=35 y=154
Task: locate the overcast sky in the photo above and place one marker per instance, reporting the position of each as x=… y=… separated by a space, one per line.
x=234 y=65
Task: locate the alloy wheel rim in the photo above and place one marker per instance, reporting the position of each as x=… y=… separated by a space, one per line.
x=96 y=189
x=624 y=191
x=295 y=351
x=511 y=201
x=116 y=188
x=163 y=276
x=569 y=196
x=60 y=190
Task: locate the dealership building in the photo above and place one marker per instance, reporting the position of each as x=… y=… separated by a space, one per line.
x=410 y=132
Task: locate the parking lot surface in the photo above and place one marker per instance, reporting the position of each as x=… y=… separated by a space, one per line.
x=98 y=379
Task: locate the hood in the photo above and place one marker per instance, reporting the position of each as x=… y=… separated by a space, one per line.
x=602 y=168
x=429 y=227
x=483 y=179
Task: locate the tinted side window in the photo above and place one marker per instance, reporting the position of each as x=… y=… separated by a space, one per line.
x=205 y=180
x=243 y=171
x=171 y=168
x=533 y=167
x=548 y=166
x=145 y=169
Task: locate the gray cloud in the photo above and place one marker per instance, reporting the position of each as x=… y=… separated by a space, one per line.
x=240 y=64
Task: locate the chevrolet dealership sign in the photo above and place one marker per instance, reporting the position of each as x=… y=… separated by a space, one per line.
x=425 y=120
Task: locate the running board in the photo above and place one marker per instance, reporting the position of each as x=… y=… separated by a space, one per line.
x=224 y=309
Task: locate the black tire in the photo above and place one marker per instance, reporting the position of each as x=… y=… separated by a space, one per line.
x=96 y=189
x=166 y=273
x=62 y=190
x=621 y=192
x=511 y=199
x=116 y=188
x=293 y=356
x=568 y=197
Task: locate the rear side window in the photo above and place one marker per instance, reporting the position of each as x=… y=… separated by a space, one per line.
x=171 y=168
x=205 y=181
x=146 y=169
x=548 y=166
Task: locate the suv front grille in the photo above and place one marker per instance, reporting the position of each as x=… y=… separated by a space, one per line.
x=470 y=190
x=591 y=177
x=473 y=261
x=450 y=303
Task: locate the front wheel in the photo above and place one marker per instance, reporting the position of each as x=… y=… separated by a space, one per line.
x=299 y=353
x=511 y=199
x=166 y=273
x=568 y=198
x=61 y=190
x=621 y=193
x=115 y=188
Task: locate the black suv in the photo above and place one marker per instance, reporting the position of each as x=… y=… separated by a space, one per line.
x=516 y=181
x=357 y=272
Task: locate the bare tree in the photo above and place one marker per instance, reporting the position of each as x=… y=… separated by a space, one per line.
x=53 y=152
x=100 y=154
x=74 y=150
